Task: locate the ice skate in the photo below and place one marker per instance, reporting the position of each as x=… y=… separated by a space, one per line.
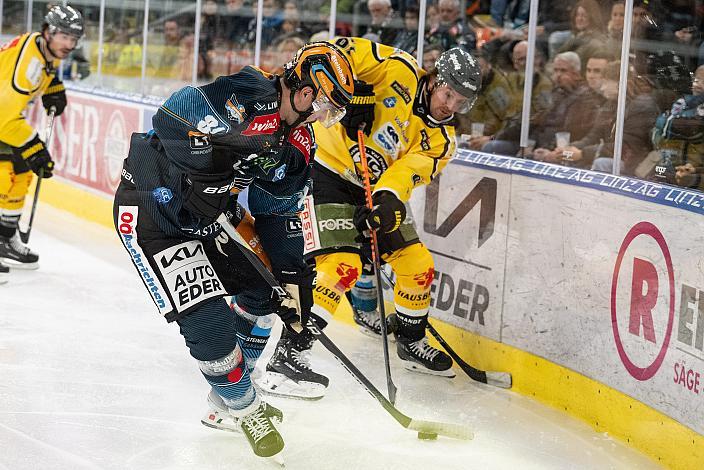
x=288 y=373
x=260 y=431
x=419 y=356
x=4 y=273
x=16 y=254
x=218 y=415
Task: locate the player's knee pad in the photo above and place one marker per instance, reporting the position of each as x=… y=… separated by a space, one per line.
x=336 y=273
x=230 y=378
x=414 y=269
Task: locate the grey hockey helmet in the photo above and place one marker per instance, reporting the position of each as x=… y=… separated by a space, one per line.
x=459 y=70
x=64 y=19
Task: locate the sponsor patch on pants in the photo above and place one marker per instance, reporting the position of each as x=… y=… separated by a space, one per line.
x=188 y=274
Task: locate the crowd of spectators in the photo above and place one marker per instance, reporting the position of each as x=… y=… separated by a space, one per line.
x=575 y=80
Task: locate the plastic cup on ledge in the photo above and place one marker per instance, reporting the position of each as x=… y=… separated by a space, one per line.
x=562 y=139
x=477 y=129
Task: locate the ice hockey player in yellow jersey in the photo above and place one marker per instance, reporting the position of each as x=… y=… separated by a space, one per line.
x=28 y=67
x=408 y=115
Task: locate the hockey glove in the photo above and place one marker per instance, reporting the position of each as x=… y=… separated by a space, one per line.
x=387 y=215
x=55 y=96
x=207 y=195
x=359 y=110
x=37 y=157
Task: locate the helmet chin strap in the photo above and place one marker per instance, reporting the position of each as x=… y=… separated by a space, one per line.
x=302 y=115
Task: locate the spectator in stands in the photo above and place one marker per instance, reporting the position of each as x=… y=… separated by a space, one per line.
x=384 y=24
x=596 y=64
x=272 y=17
x=493 y=108
x=430 y=55
x=678 y=137
x=573 y=109
x=595 y=149
x=432 y=17
x=614 y=29
x=407 y=38
x=236 y=17
x=586 y=30
x=291 y=24
x=542 y=86
x=518 y=13
x=168 y=59
x=451 y=31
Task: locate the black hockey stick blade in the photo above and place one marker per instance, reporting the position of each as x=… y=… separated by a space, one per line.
x=24 y=236
x=452 y=430
x=497 y=379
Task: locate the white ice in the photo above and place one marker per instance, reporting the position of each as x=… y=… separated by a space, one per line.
x=92 y=377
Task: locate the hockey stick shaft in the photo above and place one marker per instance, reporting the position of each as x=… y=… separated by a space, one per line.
x=498 y=379
x=24 y=236
x=455 y=431
x=376 y=260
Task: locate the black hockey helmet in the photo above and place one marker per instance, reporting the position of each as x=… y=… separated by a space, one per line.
x=459 y=70
x=64 y=19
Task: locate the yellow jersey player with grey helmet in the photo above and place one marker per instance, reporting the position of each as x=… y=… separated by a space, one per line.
x=408 y=115
x=28 y=65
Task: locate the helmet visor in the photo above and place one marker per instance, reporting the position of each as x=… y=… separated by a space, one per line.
x=325 y=112
x=453 y=100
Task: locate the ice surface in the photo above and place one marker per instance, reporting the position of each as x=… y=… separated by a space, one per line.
x=92 y=377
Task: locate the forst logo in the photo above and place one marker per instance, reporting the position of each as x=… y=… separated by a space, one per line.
x=643 y=300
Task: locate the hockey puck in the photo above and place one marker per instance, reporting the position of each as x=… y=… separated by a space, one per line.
x=427 y=436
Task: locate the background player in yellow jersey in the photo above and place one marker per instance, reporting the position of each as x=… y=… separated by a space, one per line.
x=410 y=138
x=28 y=66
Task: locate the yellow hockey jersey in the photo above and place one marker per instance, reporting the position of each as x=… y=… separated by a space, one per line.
x=24 y=74
x=405 y=149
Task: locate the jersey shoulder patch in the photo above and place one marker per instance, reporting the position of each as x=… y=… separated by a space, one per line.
x=302 y=139
x=191 y=106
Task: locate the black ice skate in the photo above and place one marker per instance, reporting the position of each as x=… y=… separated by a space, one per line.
x=419 y=356
x=218 y=415
x=288 y=373
x=17 y=254
x=4 y=273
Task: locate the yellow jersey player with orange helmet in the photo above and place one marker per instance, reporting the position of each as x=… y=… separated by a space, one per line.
x=408 y=117
x=28 y=67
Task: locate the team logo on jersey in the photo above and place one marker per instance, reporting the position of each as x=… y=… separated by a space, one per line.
x=388 y=139
x=279 y=173
x=424 y=140
x=402 y=91
x=293 y=225
x=163 y=195
x=301 y=139
x=235 y=111
x=390 y=102
x=375 y=160
x=264 y=124
x=198 y=140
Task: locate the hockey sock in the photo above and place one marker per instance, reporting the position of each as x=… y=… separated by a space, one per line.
x=8 y=222
x=252 y=334
x=363 y=295
x=230 y=379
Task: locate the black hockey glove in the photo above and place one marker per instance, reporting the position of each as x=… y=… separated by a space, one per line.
x=37 y=157
x=55 y=96
x=359 y=110
x=387 y=215
x=207 y=195
x=303 y=277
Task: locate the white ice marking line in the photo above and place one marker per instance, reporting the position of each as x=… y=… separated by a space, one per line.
x=74 y=458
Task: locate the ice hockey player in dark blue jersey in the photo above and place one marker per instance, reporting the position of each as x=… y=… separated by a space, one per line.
x=207 y=144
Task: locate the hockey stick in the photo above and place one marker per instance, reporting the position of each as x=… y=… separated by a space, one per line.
x=24 y=236
x=377 y=265
x=426 y=429
x=497 y=379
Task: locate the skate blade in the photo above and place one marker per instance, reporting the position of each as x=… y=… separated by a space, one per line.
x=370 y=333
x=12 y=264
x=277 y=459
x=275 y=384
x=415 y=367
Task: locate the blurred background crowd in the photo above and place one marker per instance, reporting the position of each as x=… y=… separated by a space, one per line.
x=576 y=65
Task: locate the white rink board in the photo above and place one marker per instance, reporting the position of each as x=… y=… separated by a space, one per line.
x=562 y=256
x=461 y=218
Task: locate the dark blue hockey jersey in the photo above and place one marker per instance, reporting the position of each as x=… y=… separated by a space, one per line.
x=231 y=125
